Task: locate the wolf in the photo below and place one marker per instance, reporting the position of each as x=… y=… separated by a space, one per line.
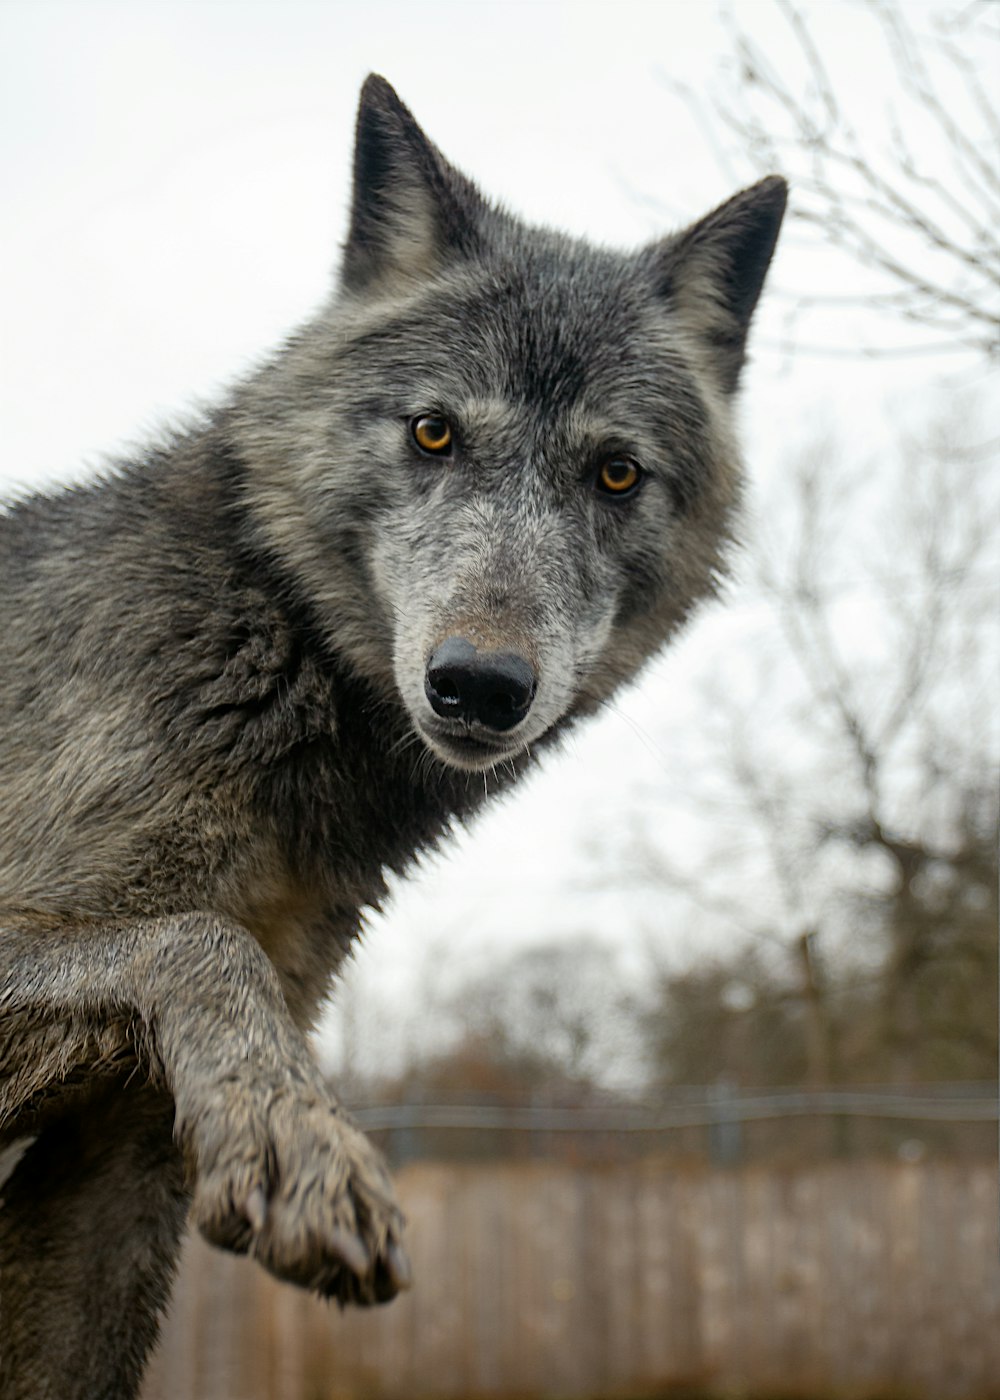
x=248 y=675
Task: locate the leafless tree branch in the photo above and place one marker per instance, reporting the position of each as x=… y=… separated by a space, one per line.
x=927 y=226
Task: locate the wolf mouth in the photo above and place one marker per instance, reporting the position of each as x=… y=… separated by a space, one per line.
x=467 y=751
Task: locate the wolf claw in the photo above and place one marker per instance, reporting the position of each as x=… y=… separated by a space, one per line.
x=320 y=1211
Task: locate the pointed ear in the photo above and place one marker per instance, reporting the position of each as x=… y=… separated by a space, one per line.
x=712 y=273
x=411 y=210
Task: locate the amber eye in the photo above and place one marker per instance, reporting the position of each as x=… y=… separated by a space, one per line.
x=432 y=433
x=618 y=476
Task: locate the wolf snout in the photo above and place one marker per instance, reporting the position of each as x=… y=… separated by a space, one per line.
x=493 y=688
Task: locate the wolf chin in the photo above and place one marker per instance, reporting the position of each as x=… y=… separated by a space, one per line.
x=247 y=675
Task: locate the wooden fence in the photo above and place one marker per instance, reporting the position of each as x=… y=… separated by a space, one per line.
x=535 y=1280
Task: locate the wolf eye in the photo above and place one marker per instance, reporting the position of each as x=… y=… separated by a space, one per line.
x=432 y=433
x=619 y=476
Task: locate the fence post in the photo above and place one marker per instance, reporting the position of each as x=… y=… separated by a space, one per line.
x=725 y=1131
x=404 y=1139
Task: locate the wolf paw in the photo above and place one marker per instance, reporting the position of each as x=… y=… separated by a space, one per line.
x=286 y=1178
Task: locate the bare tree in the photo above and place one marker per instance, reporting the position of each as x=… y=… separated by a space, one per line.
x=859 y=846
x=911 y=199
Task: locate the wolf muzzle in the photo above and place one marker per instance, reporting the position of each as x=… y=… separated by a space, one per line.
x=491 y=688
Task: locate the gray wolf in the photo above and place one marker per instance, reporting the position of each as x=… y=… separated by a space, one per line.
x=244 y=677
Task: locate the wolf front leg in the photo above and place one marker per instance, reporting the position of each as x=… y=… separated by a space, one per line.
x=275 y=1168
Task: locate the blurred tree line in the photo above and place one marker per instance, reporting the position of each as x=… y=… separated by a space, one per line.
x=859 y=770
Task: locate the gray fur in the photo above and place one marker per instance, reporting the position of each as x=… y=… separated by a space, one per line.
x=215 y=731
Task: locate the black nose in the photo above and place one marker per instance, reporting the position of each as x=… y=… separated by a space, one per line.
x=494 y=687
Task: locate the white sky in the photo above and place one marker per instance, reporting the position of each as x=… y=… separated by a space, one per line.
x=174 y=181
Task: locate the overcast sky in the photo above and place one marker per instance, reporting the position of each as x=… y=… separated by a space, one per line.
x=175 y=181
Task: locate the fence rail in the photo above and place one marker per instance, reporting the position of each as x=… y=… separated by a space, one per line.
x=542 y=1279
x=925 y=1106
x=720 y=1123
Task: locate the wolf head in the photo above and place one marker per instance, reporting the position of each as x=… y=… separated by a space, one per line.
x=501 y=461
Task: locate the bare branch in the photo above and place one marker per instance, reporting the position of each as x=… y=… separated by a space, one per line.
x=928 y=231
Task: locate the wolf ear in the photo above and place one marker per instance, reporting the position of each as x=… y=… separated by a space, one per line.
x=411 y=211
x=712 y=273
